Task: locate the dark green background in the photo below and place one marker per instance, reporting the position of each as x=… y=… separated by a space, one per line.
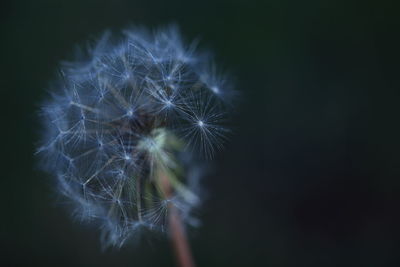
x=310 y=176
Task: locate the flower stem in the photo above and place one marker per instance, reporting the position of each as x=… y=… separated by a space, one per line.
x=177 y=232
x=179 y=239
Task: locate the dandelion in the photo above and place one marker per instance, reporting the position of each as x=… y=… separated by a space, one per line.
x=125 y=129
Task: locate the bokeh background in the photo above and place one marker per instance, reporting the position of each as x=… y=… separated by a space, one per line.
x=310 y=176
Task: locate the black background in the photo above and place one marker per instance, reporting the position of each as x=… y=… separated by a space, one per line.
x=310 y=176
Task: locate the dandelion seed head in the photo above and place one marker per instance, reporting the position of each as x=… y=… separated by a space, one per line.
x=118 y=112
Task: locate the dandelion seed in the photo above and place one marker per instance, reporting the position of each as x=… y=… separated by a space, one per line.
x=215 y=89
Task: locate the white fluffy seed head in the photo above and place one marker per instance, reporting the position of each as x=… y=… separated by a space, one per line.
x=145 y=101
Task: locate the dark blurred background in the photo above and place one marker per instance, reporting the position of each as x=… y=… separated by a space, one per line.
x=310 y=176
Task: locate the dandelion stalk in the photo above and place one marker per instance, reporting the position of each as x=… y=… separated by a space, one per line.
x=164 y=175
x=179 y=239
x=176 y=229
